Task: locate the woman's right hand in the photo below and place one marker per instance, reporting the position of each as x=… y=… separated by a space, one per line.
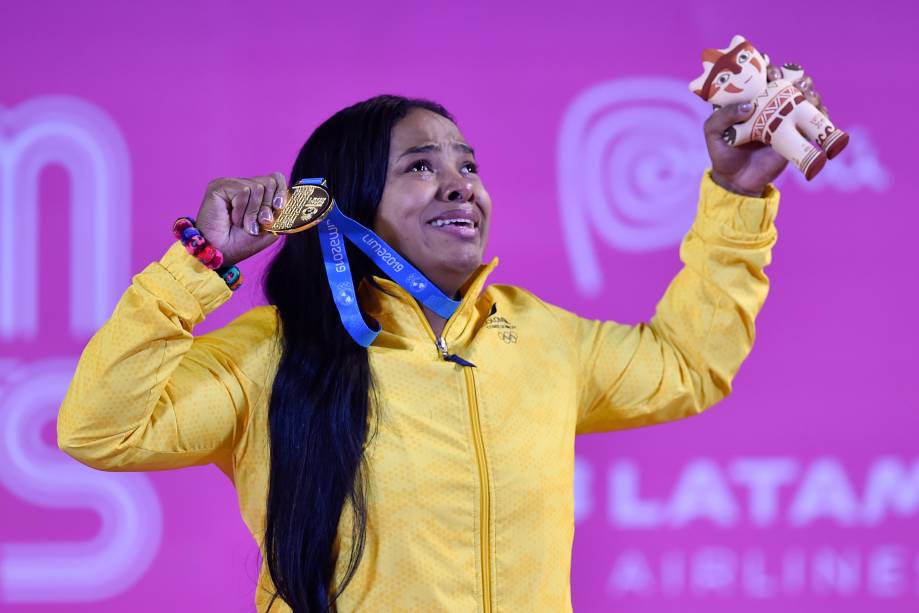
x=234 y=211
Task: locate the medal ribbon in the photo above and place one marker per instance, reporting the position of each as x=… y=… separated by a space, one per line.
x=332 y=231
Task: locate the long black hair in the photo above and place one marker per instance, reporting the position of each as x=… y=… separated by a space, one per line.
x=321 y=403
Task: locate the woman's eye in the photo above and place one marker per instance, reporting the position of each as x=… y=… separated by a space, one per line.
x=743 y=57
x=723 y=78
x=420 y=166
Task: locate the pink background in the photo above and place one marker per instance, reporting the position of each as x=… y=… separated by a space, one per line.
x=177 y=93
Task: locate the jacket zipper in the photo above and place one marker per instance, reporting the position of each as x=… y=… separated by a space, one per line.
x=485 y=497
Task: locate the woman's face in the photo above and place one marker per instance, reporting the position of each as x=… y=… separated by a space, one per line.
x=434 y=209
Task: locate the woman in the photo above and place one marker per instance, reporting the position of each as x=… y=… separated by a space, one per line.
x=432 y=471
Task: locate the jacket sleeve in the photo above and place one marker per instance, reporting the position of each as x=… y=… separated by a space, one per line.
x=147 y=394
x=684 y=360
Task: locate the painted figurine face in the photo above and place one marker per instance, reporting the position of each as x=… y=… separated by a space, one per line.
x=732 y=75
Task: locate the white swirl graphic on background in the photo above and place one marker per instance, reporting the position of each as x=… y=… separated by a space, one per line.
x=630 y=155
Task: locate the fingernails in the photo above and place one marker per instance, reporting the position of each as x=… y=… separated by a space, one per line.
x=253 y=229
x=266 y=216
x=746 y=107
x=278 y=202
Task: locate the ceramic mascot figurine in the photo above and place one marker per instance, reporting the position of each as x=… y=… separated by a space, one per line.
x=780 y=112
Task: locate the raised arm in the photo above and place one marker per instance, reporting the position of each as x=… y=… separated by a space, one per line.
x=147 y=394
x=684 y=359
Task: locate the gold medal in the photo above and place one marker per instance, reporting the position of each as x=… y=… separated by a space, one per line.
x=306 y=206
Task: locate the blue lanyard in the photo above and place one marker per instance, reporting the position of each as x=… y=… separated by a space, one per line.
x=333 y=230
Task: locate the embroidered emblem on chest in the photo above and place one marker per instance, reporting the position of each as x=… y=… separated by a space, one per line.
x=507 y=331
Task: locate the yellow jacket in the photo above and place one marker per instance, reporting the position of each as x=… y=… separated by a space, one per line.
x=471 y=480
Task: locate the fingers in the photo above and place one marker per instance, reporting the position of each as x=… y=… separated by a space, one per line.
x=804 y=83
x=232 y=191
x=280 y=193
x=274 y=197
x=255 y=192
x=806 y=86
x=251 y=203
x=773 y=73
x=725 y=117
x=256 y=199
x=265 y=215
x=813 y=97
x=239 y=200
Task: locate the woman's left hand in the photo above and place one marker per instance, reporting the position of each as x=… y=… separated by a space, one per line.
x=747 y=169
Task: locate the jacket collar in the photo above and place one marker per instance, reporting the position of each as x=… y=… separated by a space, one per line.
x=403 y=321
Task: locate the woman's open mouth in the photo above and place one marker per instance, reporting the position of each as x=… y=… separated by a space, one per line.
x=461 y=223
x=462 y=228
x=464 y=223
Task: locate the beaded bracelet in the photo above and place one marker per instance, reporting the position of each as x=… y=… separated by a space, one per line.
x=184 y=229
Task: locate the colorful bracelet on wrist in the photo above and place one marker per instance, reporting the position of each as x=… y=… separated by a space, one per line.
x=184 y=229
